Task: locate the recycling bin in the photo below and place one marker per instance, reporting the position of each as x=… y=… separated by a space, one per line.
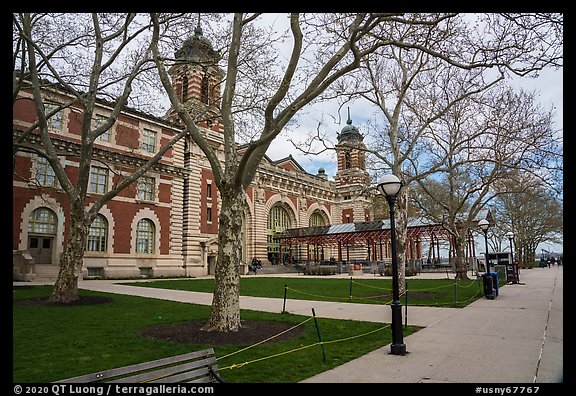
x=495 y=283
x=487 y=280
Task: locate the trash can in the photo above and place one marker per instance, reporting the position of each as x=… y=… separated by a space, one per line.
x=495 y=282
x=487 y=280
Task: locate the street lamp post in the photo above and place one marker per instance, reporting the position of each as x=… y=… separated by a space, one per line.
x=510 y=236
x=515 y=269
x=488 y=293
x=390 y=186
x=484 y=225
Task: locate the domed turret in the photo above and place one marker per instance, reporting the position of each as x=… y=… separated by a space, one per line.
x=322 y=174
x=197 y=48
x=349 y=132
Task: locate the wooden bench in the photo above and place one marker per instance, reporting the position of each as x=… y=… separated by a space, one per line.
x=199 y=366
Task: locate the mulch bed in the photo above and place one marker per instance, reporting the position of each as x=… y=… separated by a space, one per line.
x=249 y=333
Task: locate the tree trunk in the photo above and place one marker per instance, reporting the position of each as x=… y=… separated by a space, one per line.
x=401 y=220
x=225 y=314
x=66 y=285
x=460 y=262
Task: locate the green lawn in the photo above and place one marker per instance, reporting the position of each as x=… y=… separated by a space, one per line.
x=372 y=290
x=52 y=343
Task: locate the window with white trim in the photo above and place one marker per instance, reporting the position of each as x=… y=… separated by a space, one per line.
x=98 y=180
x=148 y=141
x=147 y=188
x=145 y=234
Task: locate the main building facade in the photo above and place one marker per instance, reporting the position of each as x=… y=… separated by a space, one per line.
x=166 y=224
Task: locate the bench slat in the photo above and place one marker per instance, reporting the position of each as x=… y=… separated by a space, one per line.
x=187 y=375
x=164 y=372
x=102 y=375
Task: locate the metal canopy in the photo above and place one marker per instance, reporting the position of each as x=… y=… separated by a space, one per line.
x=350 y=233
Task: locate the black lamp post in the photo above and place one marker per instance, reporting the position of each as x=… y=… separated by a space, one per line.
x=484 y=225
x=510 y=236
x=390 y=186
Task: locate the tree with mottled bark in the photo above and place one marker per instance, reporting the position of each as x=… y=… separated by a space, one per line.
x=323 y=49
x=89 y=57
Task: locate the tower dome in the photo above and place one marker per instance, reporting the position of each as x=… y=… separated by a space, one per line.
x=197 y=48
x=349 y=132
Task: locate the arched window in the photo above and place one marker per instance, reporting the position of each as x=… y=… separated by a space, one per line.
x=97 y=235
x=184 y=88
x=42 y=221
x=42 y=225
x=347 y=160
x=316 y=219
x=278 y=221
x=204 y=88
x=145 y=233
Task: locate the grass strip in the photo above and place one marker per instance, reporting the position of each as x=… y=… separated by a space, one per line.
x=55 y=342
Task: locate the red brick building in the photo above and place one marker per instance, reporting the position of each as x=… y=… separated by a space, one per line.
x=166 y=224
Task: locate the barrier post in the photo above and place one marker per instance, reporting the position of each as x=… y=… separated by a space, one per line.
x=284 y=306
x=319 y=336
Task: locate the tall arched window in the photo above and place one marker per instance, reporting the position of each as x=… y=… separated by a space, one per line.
x=145 y=233
x=316 y=252
x=278 y=221
x=184 y=88
x=97 y=235
x=42 y=225
x=204 y=88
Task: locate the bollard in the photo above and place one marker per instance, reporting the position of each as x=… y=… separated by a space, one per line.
x=350 y=289
x=284 y=306
x=319 y=336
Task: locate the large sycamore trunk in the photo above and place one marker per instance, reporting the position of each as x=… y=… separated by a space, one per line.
x=461 y=264
x=401 y=222
x=225 y=314
x=66 y=285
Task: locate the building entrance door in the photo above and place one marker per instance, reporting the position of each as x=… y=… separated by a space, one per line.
x=40 y=248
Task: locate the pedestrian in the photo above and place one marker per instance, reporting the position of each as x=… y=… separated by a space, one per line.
x=548 y=262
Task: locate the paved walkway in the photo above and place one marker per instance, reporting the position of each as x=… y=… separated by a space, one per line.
x=516 y=338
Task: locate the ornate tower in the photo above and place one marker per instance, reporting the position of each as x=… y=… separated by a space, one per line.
x=196 y=79
x=352 y=179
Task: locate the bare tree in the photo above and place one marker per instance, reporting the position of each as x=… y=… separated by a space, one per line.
x=272 y=106
x=89 y=57
x=483 y=142
x=429 y=71
x=532 y=210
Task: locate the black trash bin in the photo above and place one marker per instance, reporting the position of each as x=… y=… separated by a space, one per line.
x=495 y=282
x=489 y=292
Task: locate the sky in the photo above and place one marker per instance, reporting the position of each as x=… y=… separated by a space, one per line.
x=548 y=84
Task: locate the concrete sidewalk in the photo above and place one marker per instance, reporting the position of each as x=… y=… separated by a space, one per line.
x=516 y=338
x=417 y=316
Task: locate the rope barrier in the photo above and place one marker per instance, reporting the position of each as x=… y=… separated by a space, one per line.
x=267 y=339
x=239 y=365
x=322 y=343
x=336 y=299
